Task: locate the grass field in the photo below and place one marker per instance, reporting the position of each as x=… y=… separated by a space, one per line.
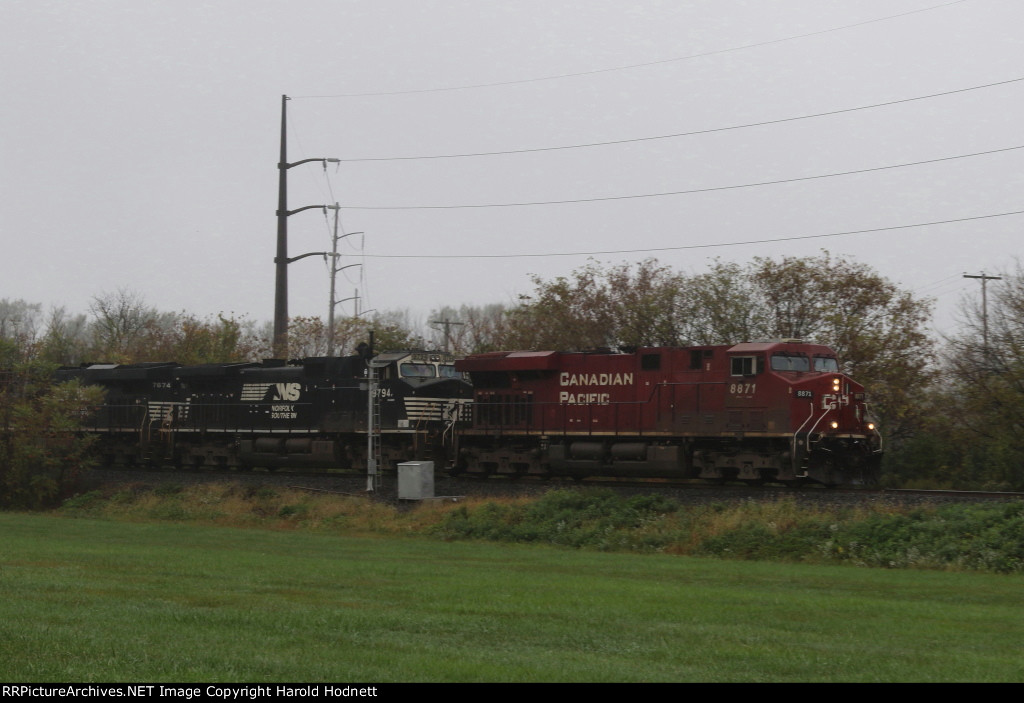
x=91 y=600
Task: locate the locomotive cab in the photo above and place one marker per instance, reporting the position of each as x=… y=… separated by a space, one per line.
x=418 y=368
x=421 y=395
x=832 y=435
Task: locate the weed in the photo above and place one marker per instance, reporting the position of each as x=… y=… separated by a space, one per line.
x=290 y=511
x=969 y=538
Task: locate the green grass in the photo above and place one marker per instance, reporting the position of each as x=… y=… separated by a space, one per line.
x=883 y=535
x=95 y=600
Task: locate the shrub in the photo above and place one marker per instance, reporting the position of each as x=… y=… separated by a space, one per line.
x=43 y=457
x=597 y=518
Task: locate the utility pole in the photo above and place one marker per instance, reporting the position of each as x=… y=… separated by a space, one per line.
x=447 y=329
x=334 y=274
x=984 y=305
x=281 y=261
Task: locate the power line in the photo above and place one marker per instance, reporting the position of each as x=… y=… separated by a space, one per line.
x=941 y=283
x=711 y=130
x=695 y=246
x=632 y=66
x=681 y=192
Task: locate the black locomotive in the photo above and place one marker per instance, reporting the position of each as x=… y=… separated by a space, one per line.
x=313 y=412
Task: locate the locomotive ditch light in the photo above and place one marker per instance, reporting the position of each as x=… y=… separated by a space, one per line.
x=835 y=425
x=871 y=426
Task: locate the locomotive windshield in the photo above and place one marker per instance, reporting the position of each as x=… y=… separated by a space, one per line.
x=790 y=362
x=826 y=363
x=786 y=361
x=429 y=371
x=417 y=370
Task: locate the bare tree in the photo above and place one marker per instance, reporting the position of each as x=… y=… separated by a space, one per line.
x=19 y=322
x=120 y=322
x=982 y=409
x=66 y=339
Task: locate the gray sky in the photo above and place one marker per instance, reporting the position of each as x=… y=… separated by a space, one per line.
x=140 y=142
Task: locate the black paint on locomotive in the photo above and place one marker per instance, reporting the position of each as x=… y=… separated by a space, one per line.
x=311 y=412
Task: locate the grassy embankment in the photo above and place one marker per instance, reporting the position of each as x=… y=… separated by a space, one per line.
x=953 y=537
x=151 y=587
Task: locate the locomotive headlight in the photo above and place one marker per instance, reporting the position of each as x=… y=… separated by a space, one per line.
x=835 y=384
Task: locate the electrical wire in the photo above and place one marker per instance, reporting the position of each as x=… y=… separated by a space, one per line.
x=631 y=66
x=633 y=140
x=695 y=246
x=682 y=192
x=942 y=282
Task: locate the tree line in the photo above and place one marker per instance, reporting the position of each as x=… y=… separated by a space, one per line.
x=121 y=327
x=951 y=409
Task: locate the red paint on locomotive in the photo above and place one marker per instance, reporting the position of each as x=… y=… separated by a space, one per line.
x=776 y=411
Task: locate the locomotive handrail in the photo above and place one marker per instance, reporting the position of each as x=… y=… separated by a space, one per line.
x=796 y=436
x=142 y=423
x=539 y=424
x=684 y=383
x=824 y=412
x=453 y=419
x=190 y=418
x=877 y=433
x=810 y=432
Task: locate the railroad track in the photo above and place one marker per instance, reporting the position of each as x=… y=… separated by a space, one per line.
x=687 y=492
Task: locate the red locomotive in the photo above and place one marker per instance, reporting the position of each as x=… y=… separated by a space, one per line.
x=755 y=412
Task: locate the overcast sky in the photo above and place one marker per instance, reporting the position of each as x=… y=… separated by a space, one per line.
x=140 y=143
